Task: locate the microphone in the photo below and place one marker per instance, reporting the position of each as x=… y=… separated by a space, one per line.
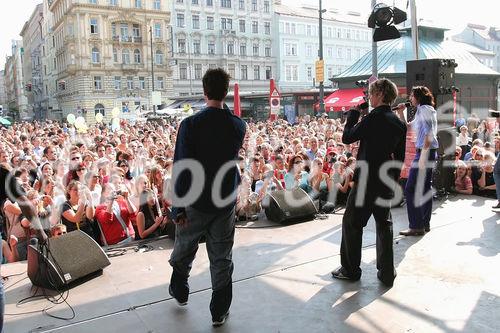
x=407 y=104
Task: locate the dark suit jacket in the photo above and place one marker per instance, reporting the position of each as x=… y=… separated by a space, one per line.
x=212 y=137
x=382 y=137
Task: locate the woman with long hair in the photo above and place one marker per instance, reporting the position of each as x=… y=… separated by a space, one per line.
x=78 y=210
x=149 y=217
x=425 y=126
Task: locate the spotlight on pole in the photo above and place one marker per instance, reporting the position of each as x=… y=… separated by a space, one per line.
x=382 y=19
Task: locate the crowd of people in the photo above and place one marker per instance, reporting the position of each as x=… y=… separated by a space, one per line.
x=114 y=184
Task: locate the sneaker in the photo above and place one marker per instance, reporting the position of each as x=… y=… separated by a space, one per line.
x=496 y=208
x=341 y=274
x=388 y=282
x=221 y=321
x=180 y=303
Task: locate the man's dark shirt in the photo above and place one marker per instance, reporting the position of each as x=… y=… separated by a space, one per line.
x=212 y=137
x=9 y=187
x=382 y=137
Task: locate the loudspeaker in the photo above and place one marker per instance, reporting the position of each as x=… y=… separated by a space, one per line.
x=71 y=259
x=285 y=206
x=443 y=178
x=439 y=76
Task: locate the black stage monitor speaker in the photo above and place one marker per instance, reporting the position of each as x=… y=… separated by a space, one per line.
x=286 y=206
x=73 y=258
x=443 y=178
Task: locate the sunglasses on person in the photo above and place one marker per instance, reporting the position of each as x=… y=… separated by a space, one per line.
x=60 y=233
x=298 y=162
x=75 y=158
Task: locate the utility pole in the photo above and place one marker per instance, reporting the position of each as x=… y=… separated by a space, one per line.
x=152 y=68
x=374 y=50
x=414 y=28
x=321 y=86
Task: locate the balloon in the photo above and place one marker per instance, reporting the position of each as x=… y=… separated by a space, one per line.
x=115 y=112
x=115 y=124
x=99 y=117
x=80 y=122
x=71 y=118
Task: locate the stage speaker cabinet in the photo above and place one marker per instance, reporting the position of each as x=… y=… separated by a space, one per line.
x=443 y=178
x=289 y=206
x=439 y=76
x=73 y=258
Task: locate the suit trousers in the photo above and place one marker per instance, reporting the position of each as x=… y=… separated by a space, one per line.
x=354 y=220
x=219 y=231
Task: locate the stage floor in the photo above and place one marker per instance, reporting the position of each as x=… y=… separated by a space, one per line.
x=447 y=282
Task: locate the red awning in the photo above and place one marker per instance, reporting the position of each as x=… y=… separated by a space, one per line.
x=343 y=99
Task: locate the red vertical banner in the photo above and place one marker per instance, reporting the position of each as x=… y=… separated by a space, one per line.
x=454 y=108
x=274 y=101
x=237 y=104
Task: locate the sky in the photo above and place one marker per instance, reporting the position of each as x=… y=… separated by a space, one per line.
x=450 y=13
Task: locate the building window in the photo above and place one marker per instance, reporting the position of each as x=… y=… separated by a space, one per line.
x=93 y=2
x=340 y=53
x=266 y=6
x=157 y=4
x=329 y=52
x=242 y=25
x=157 y=30
x=196 y=47
x=113 y=29
x=241 y=4
x=197 y=71
x=309 y=30
x=181 y=45
x=267 y=28
x=291 y=73
x=97 y=83
x=256 y=50
x=290 y=49
x=230 y=48
x=212 y=66
x=225 y=3
x=348 y=34
x=136 y=31
x=231 y=70
x=99 y=108
x=93 y=26
x=309 y=71
x=243 y=49
x=115 y=55
x=194 y=2
x=130 y=82
x=159 y=57
x=308 y=50
x=138 y=3
x=244 y=72
x=256 y=72
x=137 y=56
x=268 y=51
x=118 y=82
x=210 y=3
x=196 y=22
x=180 y=20
x=226 y=23
x=160 y=83
x=211 y=48
x=348 y=54
x=210 y=23
x=254 y=5
x=329 y=72
x=269 y=72
x=96 y=55
x=183 y=71
x=113 y=2
x=125 y=56
x=124 y=31
x=255 y=27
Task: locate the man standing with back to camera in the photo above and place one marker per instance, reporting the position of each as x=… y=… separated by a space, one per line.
x=382 y=139
x=212 y=138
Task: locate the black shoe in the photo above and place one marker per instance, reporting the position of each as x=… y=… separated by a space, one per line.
x=427 y=229
x=497 y=206
x=388 y=282
x=341 y=274
x=181 y=302
x=412 y=232
x=220 y=321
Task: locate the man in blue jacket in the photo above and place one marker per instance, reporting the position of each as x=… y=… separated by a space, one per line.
x=205 y=178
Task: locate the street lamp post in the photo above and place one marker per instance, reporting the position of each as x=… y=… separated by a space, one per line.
x=152 y=68
x=321 y=86
x=374 y=50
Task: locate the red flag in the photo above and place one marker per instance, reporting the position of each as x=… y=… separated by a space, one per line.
x=237 y=104
x=272 y=86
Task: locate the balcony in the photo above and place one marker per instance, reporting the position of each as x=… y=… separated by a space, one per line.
x=132 y=67
x=225 y=32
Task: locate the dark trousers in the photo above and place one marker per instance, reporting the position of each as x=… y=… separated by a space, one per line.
x=355 y=219
x=219 y=232
x=419 y=211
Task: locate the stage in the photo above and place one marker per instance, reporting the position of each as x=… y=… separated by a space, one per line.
x=447 y=282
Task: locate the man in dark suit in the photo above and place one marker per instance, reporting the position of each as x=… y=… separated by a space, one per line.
x=208 y=143
x=382 y=139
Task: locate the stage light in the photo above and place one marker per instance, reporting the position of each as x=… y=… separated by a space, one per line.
x=382 y=19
